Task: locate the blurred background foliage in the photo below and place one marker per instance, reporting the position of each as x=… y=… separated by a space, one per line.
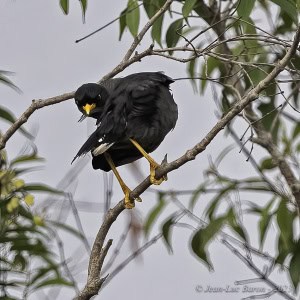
x=29 y=242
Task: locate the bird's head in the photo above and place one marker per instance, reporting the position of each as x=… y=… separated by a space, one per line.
x=90 y=99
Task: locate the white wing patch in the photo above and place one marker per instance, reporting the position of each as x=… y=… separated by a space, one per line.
x=102 y=148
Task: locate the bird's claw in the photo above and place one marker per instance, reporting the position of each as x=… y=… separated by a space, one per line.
x=128 y=203
x=153 y=180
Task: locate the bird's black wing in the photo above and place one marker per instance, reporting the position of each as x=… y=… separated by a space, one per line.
x=143 y=91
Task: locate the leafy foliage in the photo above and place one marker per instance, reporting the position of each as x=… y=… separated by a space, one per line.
x=24 y=234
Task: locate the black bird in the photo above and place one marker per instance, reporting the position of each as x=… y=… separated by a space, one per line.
x=134 y=114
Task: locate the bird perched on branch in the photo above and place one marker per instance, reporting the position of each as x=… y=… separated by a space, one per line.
x=134 y=114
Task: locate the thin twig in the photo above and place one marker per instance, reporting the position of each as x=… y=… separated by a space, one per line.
x=257 y=271
x=109 y=23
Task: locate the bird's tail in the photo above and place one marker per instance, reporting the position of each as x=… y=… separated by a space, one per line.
x=93 y=141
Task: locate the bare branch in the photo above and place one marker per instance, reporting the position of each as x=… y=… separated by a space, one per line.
x=257 y=271
x=36 y=104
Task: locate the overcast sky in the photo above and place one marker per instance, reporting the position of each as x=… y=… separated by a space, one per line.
x=37 y=43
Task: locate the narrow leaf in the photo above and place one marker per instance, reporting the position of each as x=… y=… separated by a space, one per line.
x=166 y=231
x=154 y=213
x=67 y=228
x=156 y=30
x=285 y=220
x=41 y=188
x=8 y=82
x=64 y=4
x=83 y=8
x=202 y=238
x=53 y=281
x=188 y=7
x=267 y=164
x=172 y=37
x=294 y=269
x=288 y=6
x=235 y=225
x=122 y=23
x=245 y=7
x=264 y=222
x=296 y=130
x=133 y=17
x=8 y=116
x=26 y=158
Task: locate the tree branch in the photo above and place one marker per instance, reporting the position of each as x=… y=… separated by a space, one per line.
x=36 y=104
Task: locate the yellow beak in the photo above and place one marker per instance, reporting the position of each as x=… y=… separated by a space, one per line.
x=88 y=108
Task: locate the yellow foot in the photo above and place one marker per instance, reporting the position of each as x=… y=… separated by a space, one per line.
x=153 y=180
x=128 y=203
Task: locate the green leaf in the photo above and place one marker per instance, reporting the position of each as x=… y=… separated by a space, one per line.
x=166 y=231
x=122 y=23
x=285 y=219
x=154 y=213
x=156 y=30
x=245 y=8
x=268 y=119
x=53 y=281
x=40 y=273
x=255 y=75
x=210 y=211
x=267 y=164
x=294 y=269
x=152 y=6
x=288 y=6
x=234 y=224
x=188 y=7
x=283 y=253
x=41 y=188
x=264 y=222
x=83 y=4
x=26 y=158
x=203 y=236
x=191 y=71
x=197 y=193
x=6 y=81
x=296 y=131
x=8 y=116
x=64 y=4
x=66 y=228
x=172 y=37
x=133 y=17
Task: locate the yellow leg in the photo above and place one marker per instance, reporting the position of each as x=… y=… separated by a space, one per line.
x=153 y=164
x=127 y=202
